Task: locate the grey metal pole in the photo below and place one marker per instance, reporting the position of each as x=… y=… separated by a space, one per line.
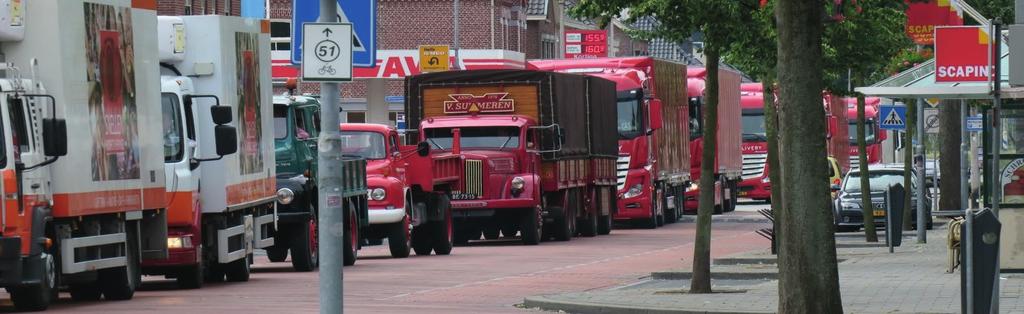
x=968 y=266
x=455 y=30
x=331 y=216
x=964 y=149
x=997 y=143
x=922 y=235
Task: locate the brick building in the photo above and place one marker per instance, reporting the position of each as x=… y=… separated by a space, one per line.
x=199 y=7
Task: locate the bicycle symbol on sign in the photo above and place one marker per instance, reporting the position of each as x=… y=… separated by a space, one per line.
x=327 y=69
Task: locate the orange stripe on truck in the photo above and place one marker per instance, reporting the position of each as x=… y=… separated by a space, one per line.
x=250 y=191
x=107 y=202
x=182 y=208
x=144 y=4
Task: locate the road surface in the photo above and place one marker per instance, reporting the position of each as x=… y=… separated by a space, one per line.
x=484 y=277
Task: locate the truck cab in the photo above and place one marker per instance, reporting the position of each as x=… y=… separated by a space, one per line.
x=755 y=183
x=874 y=137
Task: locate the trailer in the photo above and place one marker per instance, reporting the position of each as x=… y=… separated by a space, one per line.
x=728 y=162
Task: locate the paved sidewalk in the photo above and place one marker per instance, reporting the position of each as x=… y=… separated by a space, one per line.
x=911 y=280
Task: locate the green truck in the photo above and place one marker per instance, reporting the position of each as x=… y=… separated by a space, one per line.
x=296 y=129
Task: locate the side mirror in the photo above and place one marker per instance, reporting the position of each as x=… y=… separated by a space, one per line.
x=836 y=188
x=833 y=126
x=423 y=149
x=654 y=114
x=226 y=138
x=55 y=137
x=220 y=114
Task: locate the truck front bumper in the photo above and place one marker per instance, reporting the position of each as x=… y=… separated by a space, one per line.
x=756 y=189
x=486 y=208
x=638 y=207
x=386 y=215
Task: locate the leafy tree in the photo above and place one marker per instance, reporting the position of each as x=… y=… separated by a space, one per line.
x=677 y=21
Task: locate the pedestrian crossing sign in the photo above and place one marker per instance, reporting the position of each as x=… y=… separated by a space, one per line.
x=892 y=117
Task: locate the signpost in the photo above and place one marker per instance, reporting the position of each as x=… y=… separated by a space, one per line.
x=961 y=54
x=975 y=124
x=362 y=14
x=580 y=44
x=931 y=121
x=434 y=58
x=892 y=117
x=328 y=52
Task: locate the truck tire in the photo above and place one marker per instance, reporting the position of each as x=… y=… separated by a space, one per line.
x=305 y=246
x=277 y=254
x=400 y=239
x=588 y=226
x=37 y=297
x=651 y=222
x=531 y=226
x=119 y=283
x=444 y=230
x=604 y=225
x=238 y=271
x=191 y=277
x=351 y=238
x=719 y=209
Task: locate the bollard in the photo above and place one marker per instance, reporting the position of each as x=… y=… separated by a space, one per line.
x=979 y=268
x=894 y=197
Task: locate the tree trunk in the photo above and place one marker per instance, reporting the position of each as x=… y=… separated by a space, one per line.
x=867 y=209
x=771 y=119
x=949 y=155
x=701 y=281
x=808 y=276
x=908 y=165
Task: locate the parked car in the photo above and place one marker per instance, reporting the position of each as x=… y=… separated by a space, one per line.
x=835 y=174
x=847 y=205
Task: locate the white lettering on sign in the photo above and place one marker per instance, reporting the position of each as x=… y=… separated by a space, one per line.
x=963 y=71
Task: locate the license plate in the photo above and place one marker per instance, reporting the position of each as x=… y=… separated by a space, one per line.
x=744 y=193
x=463 y=196
x=879 y=213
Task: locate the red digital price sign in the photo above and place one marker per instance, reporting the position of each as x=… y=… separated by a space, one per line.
x=586 y=44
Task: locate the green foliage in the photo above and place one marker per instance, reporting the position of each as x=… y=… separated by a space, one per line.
x=864 y=43
x=992 y=9
x=906 y=59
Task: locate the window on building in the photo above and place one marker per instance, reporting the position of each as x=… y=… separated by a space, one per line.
x=280 y=36
x=393 y=118
x=356 y=117
x=188 y=7
x=549 y=47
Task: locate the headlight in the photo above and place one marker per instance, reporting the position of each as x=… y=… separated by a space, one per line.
x=184 y=242
x=693 y=186
x=518 y=183
x=766 y=180
x=634 y=191
x=285 y=196
x=378 y=194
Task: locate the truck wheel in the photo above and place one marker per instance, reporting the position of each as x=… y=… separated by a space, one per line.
x=37 y=297
x=444 y=230
x=604 y=225
x=119 y=283
x=238 y=271
x=305 y=246
x=191 y=277
x=588 y=227
x=399 y=239
x=567 y=223
x=531 y=226
x=85 y=292
x=652 y=222
x=421 y=240
x=277 y=254
x=351 y=238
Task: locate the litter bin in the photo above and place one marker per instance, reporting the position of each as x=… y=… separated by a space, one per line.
x=894 y=197
x=984 y=252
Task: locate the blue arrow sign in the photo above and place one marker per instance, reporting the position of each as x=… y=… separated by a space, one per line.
x=362 y=14
x=892 y=117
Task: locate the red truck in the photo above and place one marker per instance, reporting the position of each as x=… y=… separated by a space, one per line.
x=728 y=159
x=874 y=137
x=756 y=184
x=538 y=157
x=408 y=190
x=654 y=156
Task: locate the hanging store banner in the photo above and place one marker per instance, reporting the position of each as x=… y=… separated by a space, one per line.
x=962 y=54
x=924 y=16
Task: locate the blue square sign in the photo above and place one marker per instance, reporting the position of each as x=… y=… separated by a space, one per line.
x=362 y=14
x=892 y=117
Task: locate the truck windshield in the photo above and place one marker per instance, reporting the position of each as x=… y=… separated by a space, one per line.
x=280 y=122
x=174 y=137
x=366 y=144
x=754 y=127
x=475 y=137
x=869 y=134
x=630 y=118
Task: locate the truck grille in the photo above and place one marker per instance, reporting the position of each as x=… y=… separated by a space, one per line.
x=753 y=165
x=473 y=178
x=621 y=169
x=854 y=162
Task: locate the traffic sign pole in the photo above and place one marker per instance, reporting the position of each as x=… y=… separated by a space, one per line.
x=329 y=167
x=922 y=235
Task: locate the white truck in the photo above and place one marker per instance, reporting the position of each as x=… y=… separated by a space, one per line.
x=80 y=210
x=217 y=118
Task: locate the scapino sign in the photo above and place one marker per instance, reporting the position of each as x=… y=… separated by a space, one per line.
x=924 y=16
x=488 y=103
x=962 y=54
